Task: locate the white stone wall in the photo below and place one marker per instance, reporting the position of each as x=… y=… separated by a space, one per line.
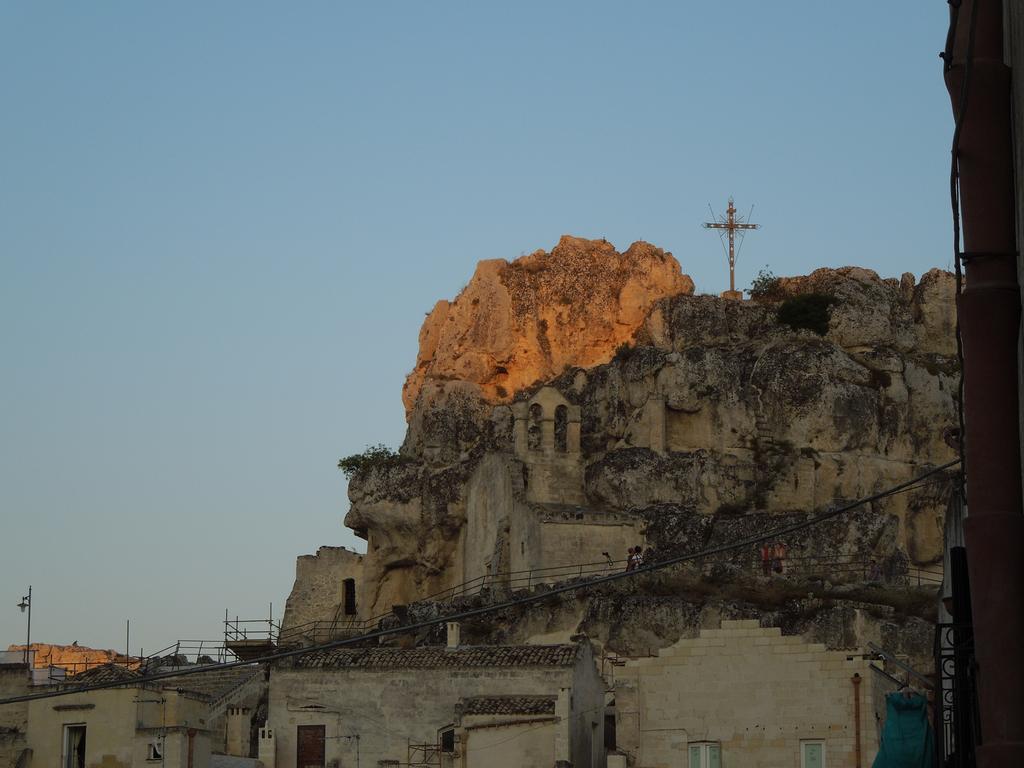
x=755 y=692
x=391 y=708
x=507 y=741
x=120 y=724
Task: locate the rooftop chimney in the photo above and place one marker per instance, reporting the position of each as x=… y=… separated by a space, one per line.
x=453 y=634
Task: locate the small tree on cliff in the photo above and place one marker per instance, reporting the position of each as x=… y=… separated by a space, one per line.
x=374 y=456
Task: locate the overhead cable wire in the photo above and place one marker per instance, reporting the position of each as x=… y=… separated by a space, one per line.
x=472 y=613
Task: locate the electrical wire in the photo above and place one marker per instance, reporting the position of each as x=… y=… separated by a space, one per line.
x=497 y=607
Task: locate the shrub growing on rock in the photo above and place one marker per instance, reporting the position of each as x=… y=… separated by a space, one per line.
x=374 y=456
x=765 y=287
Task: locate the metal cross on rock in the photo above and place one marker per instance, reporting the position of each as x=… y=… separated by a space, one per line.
x=729 y=225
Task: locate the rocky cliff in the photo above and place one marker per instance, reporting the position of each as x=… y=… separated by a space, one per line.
x=73 y=658
x=567 y=403
x=522 y=322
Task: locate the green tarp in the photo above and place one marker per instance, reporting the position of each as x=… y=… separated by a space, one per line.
x=907 y=739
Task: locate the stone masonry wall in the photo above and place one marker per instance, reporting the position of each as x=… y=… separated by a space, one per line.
x=318 y=593
x=749 y=688
x=391 y=708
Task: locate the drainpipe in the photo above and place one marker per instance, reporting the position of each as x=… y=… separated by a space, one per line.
x=989 y=315
x=856 y=718
x=191 y=744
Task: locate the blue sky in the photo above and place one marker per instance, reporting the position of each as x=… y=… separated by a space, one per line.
x=221 y=225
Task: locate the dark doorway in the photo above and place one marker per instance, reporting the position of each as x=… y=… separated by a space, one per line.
x=310 y=741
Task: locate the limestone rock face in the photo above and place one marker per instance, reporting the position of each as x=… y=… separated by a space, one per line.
x=573 y=404
x=74 y=658
x=521 y=322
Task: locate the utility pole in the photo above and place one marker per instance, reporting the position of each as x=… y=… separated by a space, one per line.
x=26 y=603
x=729 y=225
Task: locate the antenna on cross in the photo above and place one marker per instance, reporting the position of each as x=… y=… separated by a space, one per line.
x=729 y=226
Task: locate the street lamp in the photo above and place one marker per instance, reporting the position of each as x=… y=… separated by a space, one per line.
x=26 y=603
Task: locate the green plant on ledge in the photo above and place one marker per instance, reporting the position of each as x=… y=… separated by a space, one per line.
x=765 y=286
x=374 y=456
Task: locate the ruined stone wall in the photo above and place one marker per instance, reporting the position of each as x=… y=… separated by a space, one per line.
x=755 y=692
x=489 y=504
x=318 y=594
x=565 y=540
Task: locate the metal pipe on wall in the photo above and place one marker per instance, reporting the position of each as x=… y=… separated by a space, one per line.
x=989 y=313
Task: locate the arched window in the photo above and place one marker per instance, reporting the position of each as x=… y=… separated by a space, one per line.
x=562 y=429
x=533 y=428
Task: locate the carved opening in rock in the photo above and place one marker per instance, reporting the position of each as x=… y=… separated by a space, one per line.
x=533 y=428
x=348 y=587
x=562 y=429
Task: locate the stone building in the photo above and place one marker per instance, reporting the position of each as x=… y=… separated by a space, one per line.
x=440 y=706
x=130 y=725
x=177 y=722
x=14 y=681
x=745 y=695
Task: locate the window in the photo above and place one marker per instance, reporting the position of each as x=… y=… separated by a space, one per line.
x=74 y=746
x=705 y=755
x=155 y=751
x=448 y=740
x=348 y=587
x=561 y=429
x=812 y=754
x=533 y=428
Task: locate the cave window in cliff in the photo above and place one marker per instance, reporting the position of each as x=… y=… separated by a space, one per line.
x=562 y=429
x=533 y=428
x=348 y=588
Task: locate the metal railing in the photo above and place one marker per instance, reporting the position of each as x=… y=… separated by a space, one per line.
x=891 y=573
x=250 y=629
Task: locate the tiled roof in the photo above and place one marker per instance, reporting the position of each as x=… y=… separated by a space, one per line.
x=433 y=658
x=509 y=705
x=105 y=673
x=213 y=683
